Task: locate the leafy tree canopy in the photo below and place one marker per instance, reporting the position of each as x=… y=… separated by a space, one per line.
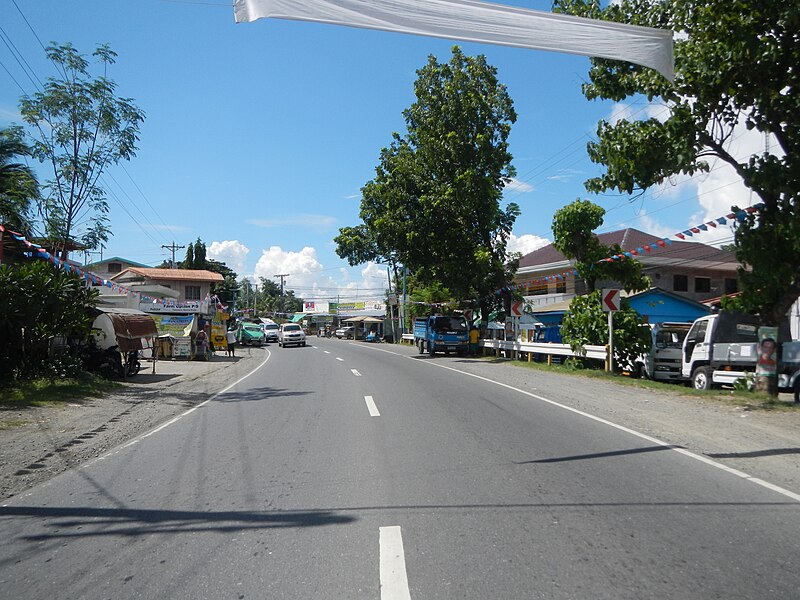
x=736 y=65
x=434 y=204
x=80 y=128
x=18 y=186
x=574 y=237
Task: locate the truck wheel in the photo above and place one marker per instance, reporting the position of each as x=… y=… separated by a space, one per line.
x=701 y=378
x=797 y=390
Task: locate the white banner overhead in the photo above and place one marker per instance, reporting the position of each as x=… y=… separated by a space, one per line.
x=483 y=22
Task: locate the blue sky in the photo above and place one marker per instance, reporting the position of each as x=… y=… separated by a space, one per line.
x=259 y=136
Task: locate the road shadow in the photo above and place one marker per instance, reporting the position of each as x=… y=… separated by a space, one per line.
x=260 y=393
x=756 y=453
x=87 y=522
x=597 y=455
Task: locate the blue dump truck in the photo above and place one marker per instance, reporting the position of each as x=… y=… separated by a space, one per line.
x=448 y=333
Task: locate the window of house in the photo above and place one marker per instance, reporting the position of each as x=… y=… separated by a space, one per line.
x=114 y=267
x=537 y=290
x=702 y=285
x=192 y=292
x=561 y=287
x=680 y=283
x=731 y=286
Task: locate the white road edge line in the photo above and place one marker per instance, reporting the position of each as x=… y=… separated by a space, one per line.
x=393 y=577
x=356 y=373
x=703 y=459
x=139 y=438
x=373 y=410
x=341 y=359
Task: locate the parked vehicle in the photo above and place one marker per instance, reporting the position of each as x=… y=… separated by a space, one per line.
x=270 y=330
x=723 y=348
x=291 y=333
x=346 y=332
x=449 y=333
x=249 y=334
x=663 y=361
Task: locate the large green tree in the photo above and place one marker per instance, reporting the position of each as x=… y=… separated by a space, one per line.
x=18 y=186
x=80 y=127
x=435 y=202
x=736 y=65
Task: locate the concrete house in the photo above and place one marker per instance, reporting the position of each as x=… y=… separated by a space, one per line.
x=186 y=285
x=689 y=270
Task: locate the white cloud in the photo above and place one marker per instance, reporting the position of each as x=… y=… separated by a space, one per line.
x=526 y=243
x=309 y=279
x=232 y=252
x=564 y=175
x=309 y=221
x=650 y=225
x=520 y=187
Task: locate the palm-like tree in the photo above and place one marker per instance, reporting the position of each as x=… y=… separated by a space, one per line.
x=18 y=186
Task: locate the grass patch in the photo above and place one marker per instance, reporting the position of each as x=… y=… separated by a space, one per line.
x=11 y=423
x=49 y=392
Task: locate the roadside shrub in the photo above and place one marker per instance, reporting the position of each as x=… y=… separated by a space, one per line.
x=39 y=302
x=587 y=325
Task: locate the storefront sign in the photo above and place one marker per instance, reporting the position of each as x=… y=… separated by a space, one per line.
x=175 y=326
x=171 y=308
x=218 y=330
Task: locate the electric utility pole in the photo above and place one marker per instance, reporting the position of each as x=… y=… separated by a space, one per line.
x=282 y=302
x=282 y=276
x=173 y=247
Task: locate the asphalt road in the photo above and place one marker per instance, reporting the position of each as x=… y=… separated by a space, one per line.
x=346 y=470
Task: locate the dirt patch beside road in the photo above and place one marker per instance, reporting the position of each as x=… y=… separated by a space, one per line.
x=39 y=443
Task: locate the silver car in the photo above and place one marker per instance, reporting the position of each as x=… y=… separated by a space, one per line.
x=291 y=333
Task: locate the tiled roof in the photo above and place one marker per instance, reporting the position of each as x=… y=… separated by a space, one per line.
x=173 y=274
x=630 y=239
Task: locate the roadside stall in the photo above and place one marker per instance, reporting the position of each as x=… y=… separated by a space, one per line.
x=126 y=331
x=175 y=333
x=358 y=333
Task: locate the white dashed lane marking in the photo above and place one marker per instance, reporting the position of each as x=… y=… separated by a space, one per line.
x=394 y=580
x=356 y=373
x=373 y=410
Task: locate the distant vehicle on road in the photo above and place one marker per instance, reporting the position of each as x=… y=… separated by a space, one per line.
x=346 y=332
x=291 y=334
x=249 y=334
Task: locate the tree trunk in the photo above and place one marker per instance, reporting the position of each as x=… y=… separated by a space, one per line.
x=767 y=384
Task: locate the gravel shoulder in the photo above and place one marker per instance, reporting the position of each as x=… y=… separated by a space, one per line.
x=41 y=442
x=38 y=443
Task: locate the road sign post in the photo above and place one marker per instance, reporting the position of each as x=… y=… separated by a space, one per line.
x=610 y=302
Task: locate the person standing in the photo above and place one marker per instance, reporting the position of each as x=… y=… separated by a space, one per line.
x=201 y=342
x=474 y=335
x=230 y=336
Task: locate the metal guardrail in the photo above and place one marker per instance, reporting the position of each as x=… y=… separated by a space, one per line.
x=594 y=352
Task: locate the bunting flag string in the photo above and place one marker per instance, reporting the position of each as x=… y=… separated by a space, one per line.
x=87 y=276
x=738 y=216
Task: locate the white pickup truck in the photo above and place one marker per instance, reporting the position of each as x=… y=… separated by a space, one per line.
x=723 y=348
